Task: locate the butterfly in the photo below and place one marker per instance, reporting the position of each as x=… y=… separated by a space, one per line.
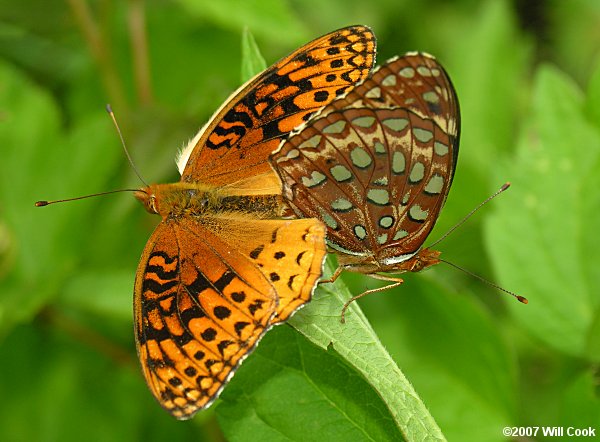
x=224 y=265
x=376 y=167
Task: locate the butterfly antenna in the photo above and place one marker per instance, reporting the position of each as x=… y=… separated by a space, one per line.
x=112 y=116
x=462 y=221
x=47 y=203
x=520 y=298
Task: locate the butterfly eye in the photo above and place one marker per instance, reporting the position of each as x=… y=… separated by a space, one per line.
x=417 y=266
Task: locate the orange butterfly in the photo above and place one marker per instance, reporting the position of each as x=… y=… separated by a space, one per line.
x=223 y=266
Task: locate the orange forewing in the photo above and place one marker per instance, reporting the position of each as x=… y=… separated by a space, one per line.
x=251 y=124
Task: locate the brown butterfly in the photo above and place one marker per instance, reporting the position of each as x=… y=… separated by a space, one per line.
x=376 y=167
x=223 y=266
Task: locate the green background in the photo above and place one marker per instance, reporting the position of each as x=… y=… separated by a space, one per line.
x=528 y=80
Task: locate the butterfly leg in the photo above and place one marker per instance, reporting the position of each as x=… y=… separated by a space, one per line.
x=395 y=283
x=333 y=277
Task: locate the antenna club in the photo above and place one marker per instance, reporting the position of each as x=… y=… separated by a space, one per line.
x=505 y=186
x=109 y=108
x=523 y=299
x=41 y=203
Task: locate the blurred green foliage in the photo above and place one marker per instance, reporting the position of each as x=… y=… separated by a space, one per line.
x=528 y=79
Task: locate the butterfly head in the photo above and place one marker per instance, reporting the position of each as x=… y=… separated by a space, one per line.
x=421 y=260
x=149 y=197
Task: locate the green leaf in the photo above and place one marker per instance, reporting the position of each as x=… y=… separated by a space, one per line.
x=543 y=237
x=59 y=378
x=35 y=51
x=58 y=164
x=487 y=65
x=252 y=60
x=593 y=96
x=357 y=343
x=593 y=348
x=298 y=396
x=452 y=350
x=487 y=60
x=571 y=42
x=282 y=24
x=104 y=293
x=580 y=405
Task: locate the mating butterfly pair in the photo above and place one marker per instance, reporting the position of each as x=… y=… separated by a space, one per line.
x=369 y=174
x=375 y=165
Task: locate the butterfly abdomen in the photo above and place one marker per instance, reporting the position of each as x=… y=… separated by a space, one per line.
x=258 y=206
x=193 y=199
